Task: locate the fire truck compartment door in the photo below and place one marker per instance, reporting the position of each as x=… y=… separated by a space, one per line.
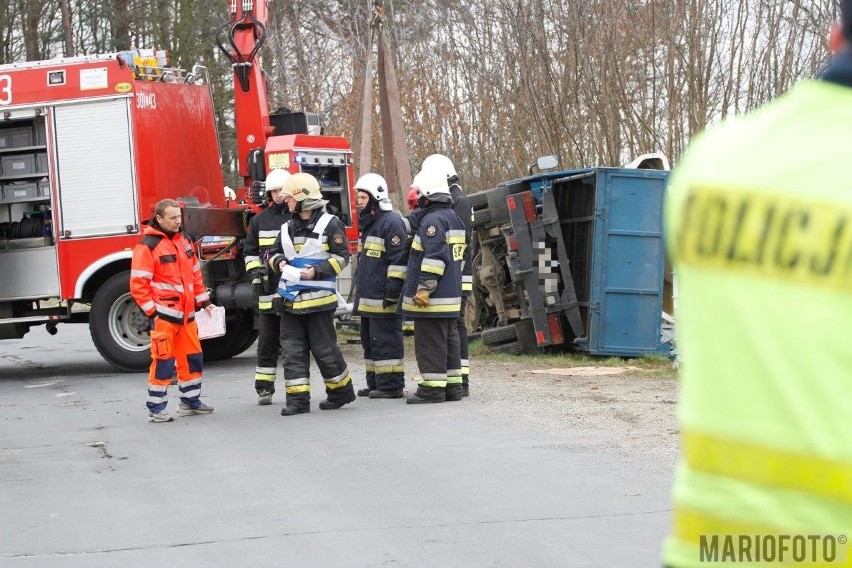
x=29 y=273
x=94 y=156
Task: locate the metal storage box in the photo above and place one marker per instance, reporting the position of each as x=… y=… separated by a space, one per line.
x=19 y=137
x=41 y=163
x=40 y=138
x=18 y=164
x=29 y=191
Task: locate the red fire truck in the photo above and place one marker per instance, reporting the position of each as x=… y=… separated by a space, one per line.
x=88 y=145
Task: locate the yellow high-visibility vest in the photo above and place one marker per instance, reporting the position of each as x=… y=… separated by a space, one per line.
x=759 y=226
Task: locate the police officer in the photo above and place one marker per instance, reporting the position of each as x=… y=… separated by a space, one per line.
x=432 y=291
x=311 y=250
x=259 y=242
x=759 y=221
x=378 y=284
x=462 y=207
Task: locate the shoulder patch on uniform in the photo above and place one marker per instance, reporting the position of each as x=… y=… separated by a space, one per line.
x=338 y=238
x=395 y=240
x=151 y=241
x=431 y=230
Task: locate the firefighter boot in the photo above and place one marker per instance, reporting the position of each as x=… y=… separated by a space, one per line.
x=264 y=397
x=297 y=403
x=365 y=391
x=455 y=392
x=392 y=393
x=425 y=395
x=338 y=397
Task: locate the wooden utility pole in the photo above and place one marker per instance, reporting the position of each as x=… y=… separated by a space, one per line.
x=397 y=170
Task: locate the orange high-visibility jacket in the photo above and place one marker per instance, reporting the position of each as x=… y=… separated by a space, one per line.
x=165 y=277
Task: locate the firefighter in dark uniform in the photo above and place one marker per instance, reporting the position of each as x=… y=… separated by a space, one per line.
x=462 y=207
x=311 y=250
x=259 y=246
x=378 y=283
x=431 y=294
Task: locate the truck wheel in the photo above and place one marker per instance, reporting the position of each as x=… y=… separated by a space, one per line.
x=111 y=323
x=478 y=200
x=513 y=348
x=481 y=217
x=240 y=334
x=499 y=335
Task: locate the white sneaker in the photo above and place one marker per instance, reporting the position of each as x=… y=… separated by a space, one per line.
x=160 y=417
x=186 y=410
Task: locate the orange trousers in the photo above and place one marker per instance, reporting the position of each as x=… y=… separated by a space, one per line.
x=174 y=345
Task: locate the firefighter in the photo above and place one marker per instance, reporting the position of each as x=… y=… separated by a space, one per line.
x=432 y=291
x=260 y=239
x=378 y=283
x=462 y=207
x=166 y=283
x=758 y=229
x=310 y=252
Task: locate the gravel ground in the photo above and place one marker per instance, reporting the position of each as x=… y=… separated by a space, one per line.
x=631 y=412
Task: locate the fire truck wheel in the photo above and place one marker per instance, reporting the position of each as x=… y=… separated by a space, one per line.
x=111 y=322
x=240 y=335
x=500 y=335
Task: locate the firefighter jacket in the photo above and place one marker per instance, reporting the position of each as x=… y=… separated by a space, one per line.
x=435 y=260
x=381 y=271
x=462 y=207
x=319 y=241
x=259 y=246
x=758 y=226
x=165 y=277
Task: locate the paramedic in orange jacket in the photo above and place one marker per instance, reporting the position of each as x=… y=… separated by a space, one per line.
x=166 y=282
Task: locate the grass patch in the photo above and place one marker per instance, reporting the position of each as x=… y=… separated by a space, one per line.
x=648 y=365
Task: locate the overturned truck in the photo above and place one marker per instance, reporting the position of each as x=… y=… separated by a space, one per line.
x=571 y=259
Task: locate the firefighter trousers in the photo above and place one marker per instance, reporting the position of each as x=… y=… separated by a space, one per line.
x=381 y=339
x=303 y=335
x=174 y=346
x=436 y=348
x=463 y=350
x=268 y=349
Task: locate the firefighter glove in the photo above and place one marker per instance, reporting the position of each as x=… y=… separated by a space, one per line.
x=390 y=300
x=259 y=281
x=421 y=298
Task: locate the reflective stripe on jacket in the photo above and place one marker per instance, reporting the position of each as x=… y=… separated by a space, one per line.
x=334 y=249
x=381 y=271
x=165 y=277
x=436 y=254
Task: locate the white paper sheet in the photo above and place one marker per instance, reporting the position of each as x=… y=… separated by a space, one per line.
x=291 y=274
x=210 y=325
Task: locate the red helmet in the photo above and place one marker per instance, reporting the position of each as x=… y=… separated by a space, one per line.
x=412 y=199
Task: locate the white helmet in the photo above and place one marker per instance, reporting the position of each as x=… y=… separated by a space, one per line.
x=302 y=186
x=432 y=184
x=276 y=179
x=440 y=163
x=376 y=186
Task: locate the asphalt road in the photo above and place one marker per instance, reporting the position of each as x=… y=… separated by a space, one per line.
x=87 y=481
